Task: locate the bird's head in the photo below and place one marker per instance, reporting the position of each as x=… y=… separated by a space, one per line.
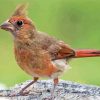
x=19 y=24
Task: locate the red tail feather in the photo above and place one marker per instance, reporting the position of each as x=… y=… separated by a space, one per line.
x=86 y=53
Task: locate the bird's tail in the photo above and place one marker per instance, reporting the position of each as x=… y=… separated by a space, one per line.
x=86 y=53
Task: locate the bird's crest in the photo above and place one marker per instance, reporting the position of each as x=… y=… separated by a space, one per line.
x=20 y=10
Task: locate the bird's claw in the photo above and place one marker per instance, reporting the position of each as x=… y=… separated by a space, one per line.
x=50 y=98
x=19 y=94
x=23 y=93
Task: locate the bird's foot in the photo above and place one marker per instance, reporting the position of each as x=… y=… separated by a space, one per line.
x=49 y=98
x=21 y=93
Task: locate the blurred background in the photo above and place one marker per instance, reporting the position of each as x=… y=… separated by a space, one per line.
x=77 y=22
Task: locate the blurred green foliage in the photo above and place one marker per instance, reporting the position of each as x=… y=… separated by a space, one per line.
x=77 y=22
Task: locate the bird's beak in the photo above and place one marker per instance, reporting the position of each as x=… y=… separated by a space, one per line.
x=7 y=26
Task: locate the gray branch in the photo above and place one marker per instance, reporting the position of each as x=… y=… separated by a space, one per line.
x=65 y=90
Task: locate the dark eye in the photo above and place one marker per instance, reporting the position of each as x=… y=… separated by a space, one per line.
x=20 y=23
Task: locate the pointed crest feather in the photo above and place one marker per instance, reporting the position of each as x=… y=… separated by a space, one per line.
x=20 y=10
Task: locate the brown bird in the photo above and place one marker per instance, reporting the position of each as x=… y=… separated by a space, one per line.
x=37 y=53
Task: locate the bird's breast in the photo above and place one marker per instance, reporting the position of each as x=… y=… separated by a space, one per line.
x=24 y=59
x=36 y=64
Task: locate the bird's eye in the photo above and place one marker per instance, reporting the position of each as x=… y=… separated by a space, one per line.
x=20 y=23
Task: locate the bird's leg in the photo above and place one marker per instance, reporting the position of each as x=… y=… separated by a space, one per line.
x=22 y=90
x=53 y=90
x=55 y=84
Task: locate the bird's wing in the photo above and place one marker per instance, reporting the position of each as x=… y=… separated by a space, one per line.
x=57 y=49
x=60 y=50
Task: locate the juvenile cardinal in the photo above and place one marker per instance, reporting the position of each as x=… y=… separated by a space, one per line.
x=37 y=53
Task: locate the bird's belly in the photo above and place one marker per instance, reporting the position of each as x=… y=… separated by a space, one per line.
x=39 y=66
x=33 y=65
x=62 y=65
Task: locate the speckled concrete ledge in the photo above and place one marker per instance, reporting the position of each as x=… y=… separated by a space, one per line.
x=65 y=90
